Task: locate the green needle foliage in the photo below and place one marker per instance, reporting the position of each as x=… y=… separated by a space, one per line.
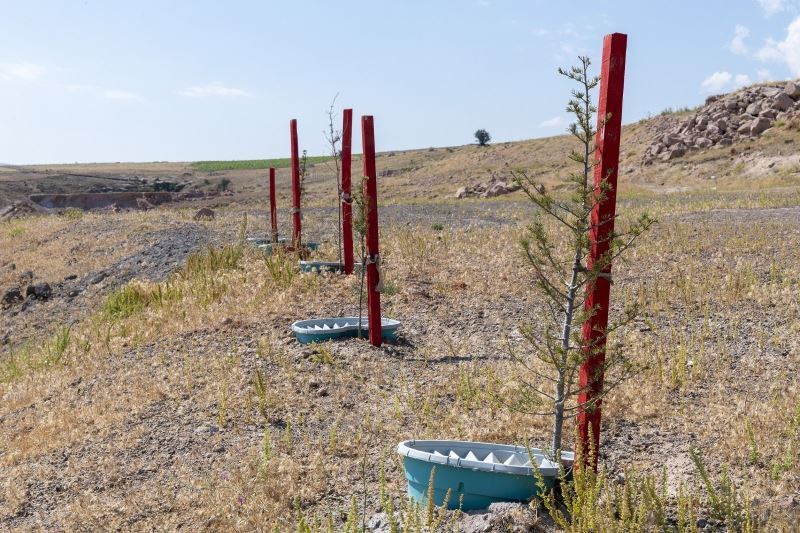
x=556 y=246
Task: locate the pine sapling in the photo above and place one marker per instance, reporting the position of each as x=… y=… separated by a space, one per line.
x=556 y=246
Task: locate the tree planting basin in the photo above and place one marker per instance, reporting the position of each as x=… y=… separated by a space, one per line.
x=321 y=266
x=476 y=473
x=283 y=243
x=324 y=329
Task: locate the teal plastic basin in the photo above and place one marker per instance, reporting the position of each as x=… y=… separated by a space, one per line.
x=476 y=473
x=325 y=329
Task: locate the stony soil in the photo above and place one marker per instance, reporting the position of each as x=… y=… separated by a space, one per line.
x=147 y=448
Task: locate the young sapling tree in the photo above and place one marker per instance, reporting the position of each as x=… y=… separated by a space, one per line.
x=556 y=246
x=333 y=137
x=360 y=229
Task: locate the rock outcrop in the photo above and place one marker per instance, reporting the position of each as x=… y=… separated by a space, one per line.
x=490 y=189
x=725 y=119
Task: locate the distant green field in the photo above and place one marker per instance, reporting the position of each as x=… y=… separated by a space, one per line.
x=252 y=164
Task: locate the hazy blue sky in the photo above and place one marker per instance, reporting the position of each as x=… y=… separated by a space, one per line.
x=169 y=80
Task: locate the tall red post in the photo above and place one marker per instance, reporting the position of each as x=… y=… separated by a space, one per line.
x=273 y=211
x=347 y=200
x=609 y=129
x=373 y=254
x=296 y=219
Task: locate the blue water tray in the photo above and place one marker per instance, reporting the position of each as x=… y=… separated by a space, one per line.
x=476 y=473
x=323 y=329
x=266 y=246
x=321 y=266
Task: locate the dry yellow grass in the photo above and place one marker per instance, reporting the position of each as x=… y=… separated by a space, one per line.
x=189 y=405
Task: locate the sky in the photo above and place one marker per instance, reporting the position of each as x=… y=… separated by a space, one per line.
x=104 y=81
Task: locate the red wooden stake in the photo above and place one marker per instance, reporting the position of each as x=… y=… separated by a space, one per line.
x=347 y=201
x=373 y=255
x=295 y=186
x=609 y=118
x=273 y=212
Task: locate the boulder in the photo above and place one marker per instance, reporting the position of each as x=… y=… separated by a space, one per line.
x=671 y=139
x=782 y=102
x=676 y=152
x=744 y=129
x=495 y=190
x=760 y=125
x=703 y=142
x=792 y=90
x=461 y=192
x=753 y=109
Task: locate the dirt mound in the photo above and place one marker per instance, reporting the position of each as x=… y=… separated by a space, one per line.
x=21 y=208
x=87 y=201
x=725 y=119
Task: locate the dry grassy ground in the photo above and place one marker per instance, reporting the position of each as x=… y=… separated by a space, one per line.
x=139 y=399
x=187 y=403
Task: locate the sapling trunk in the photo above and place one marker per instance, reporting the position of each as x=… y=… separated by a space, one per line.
x=566 y=331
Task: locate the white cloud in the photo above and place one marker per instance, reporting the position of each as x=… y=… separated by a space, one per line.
x=716 y=82
x=741 y=80
x=763 y=74
x=554 y=122
x=737 y=45
x=21 y=70
x=770 y=51
x=114 y=94
x=722 y=80
x=770 y=7
x=213 y=89
x=786 y=51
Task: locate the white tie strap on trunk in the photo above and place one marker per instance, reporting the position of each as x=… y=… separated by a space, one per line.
x=376 y=260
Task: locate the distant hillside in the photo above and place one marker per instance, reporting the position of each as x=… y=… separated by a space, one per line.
x=764 y=153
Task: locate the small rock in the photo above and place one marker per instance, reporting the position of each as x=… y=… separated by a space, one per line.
x=100 y=276
x=205 y=214
x=461 y=192
x=11 y=296
x=71 y=277
x=73 y=293
x=40 y=291
x=206 y=430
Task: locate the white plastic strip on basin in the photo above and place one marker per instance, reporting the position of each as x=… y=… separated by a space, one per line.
x=346 y=323
x=482 y=456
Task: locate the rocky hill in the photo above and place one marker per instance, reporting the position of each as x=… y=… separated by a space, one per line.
x=725 y=119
